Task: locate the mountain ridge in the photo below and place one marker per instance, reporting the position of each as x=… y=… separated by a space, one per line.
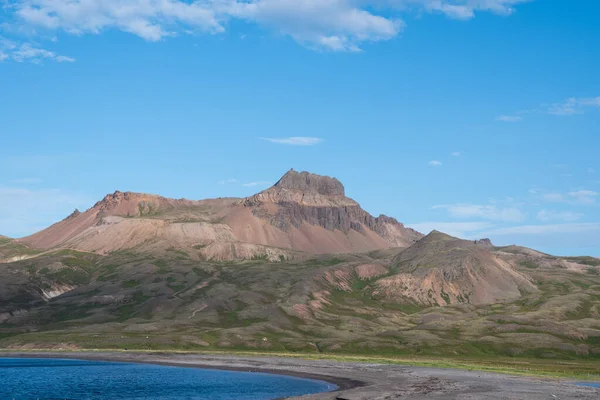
x=296 y=267
x=302 y=212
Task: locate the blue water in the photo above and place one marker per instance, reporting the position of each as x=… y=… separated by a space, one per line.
x=53 y=379
x=592 y=384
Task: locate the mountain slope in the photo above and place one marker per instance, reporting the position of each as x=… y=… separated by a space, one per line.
x=301 y=213
x=440 y=269
x=68 y=299
x=311 y=213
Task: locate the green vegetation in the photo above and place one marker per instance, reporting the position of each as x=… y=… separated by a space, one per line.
x=318 y=308
x=529 y=264
x=591 y=261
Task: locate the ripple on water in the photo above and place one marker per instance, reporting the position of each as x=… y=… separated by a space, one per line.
x=50 y=379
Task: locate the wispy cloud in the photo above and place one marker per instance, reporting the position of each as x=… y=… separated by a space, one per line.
x=509 y=118
x=584 y=196
x=435 y=163
x=228 y=181
x=259 y=183
x=457 y=154
x=25 y=52
x=547 y=229
x=573 y=106
x=489 y=212
x=333 y=25
x=295 y=141
x=591 y=170
x=566 y=216
x=569 y=107
x=577 y=197
x=458 y=229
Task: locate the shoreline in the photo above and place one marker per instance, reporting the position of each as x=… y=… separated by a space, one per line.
x=354 y=381
x=341 y=383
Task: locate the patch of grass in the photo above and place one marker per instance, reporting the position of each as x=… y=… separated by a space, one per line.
x=561 y=369
x=324 y=262
x=593 y=271
x=591 y=261
x=163 y=266
x=131 y=283
x=179 y=252
x=445 y=296
x=529 y=264
x=70 y=276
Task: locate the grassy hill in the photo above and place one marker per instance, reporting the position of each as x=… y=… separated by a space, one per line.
x=323 y=305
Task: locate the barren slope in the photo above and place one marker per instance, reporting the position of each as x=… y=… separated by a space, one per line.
x=302 y=212
x=311 y=213
x=440 y=269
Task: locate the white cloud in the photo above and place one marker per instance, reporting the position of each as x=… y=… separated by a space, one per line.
x=228 y=181
x=591 y=170
x=590 y=102
x=457 y=154
x=333 y=25
x=25 y=52
x=509 y=118
x=466 y=9
x=554 y=197
x=566 y=216
x=547 y=229
x=435 y=163
x=584 y=196
x=25 y=211
x=490 y=212
x=259 y=183
x=295 y=141
x=457 y=229
x=573 y=106
x=578 y=197
x=569 y=107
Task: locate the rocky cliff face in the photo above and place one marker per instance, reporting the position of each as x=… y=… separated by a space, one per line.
x=307 y=182
x=485 y=243
x=302 y=197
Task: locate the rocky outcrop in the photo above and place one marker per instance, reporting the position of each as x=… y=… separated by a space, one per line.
x=485 y=243
x=305 y=198
x=74 y=214
x=307 y=182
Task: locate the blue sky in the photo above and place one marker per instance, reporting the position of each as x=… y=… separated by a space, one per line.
x=475 y=117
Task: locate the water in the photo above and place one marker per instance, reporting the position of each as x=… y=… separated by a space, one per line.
x=592 y=384
x=53 y=379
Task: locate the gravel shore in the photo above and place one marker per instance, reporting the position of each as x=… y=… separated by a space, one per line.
x=358 y=381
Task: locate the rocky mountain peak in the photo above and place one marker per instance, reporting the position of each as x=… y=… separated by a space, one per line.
x=74 y=214
x=487 y=243
x=307 y=182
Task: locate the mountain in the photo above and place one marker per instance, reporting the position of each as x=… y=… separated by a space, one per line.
x=440 y=269
x=302 y=212
x=296 y=267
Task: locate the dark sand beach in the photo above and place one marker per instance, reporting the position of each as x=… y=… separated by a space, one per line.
x=361 y=381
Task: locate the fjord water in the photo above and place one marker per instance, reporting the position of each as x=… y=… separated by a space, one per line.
x=47 y=379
